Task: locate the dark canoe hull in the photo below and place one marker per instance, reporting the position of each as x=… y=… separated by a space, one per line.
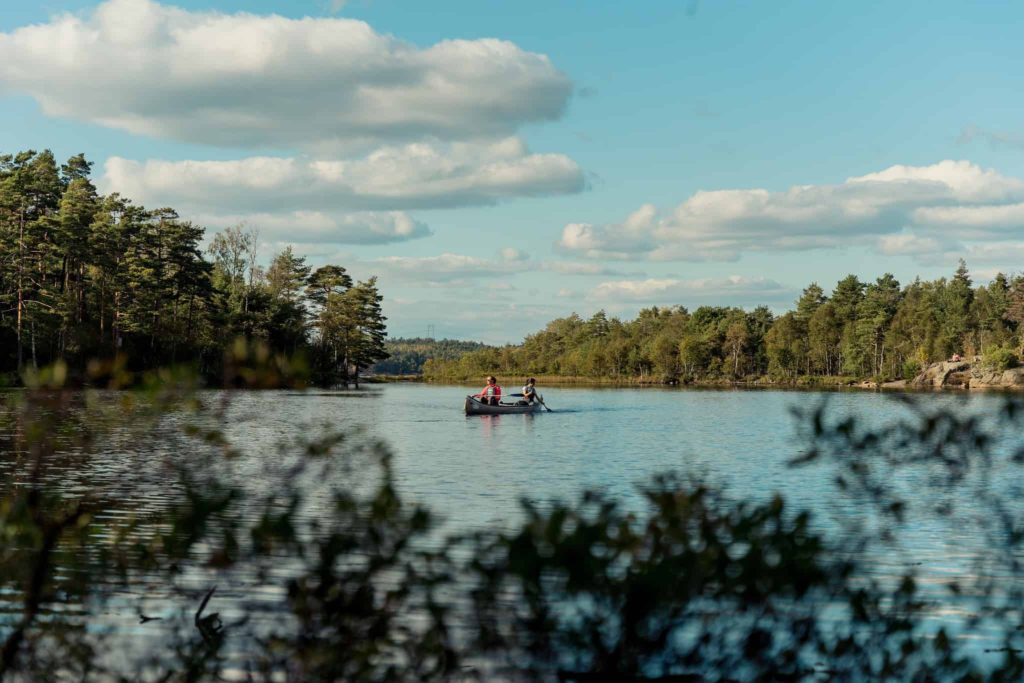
x=475 y=407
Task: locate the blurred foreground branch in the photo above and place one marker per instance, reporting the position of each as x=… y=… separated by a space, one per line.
x=327 y=574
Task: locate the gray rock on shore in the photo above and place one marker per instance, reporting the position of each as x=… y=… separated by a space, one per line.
x=967 y=375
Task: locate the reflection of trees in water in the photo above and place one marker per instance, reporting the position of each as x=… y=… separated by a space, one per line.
x=322 y=572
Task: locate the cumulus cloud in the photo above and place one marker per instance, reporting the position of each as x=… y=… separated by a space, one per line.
x=950 y=197
x=414 y=176
x=316 y=196
x=450 y=269
x=984 y=259
x=513 y=254
x=586 y=269
x=265 y=81
x=445 y=267
x=735 y=289
x=319 y=227
x=973 y=221
x=909 y=244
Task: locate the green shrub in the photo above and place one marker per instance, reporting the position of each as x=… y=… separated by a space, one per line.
x=910 y=369
x=1000 y=358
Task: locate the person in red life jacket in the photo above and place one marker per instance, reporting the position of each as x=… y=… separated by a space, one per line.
x=491 y=393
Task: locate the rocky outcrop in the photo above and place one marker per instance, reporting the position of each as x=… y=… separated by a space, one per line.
x=938 y=375
x=967 y=375
x=997 y=379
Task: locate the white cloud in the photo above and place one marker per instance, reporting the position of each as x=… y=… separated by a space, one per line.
x=736 y=290
x=450 y=269
x=973 y=221
x=909 y=244
x=319 y=227
x=992 y=257
x=1008 y=256
x=513 y=254
x=266 y=81
x=446 y=267
x=958 y=180
x=391 y=178
x=344 y=201
x=721 y=225
x=586 y=269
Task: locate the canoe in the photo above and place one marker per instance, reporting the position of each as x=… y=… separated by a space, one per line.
x=475 y=407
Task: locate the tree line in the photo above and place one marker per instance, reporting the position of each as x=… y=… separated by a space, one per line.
x=86 y=276
x=861 y=329
x=407 y=356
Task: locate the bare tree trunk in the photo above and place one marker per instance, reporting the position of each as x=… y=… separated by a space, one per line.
x=21 y=287
x=188 y=326
x=81 y=293
x=114 y=327
x=103 y=307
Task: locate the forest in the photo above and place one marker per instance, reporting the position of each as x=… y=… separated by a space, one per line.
x=879 y=330
x=85 y=277
x=407 y=356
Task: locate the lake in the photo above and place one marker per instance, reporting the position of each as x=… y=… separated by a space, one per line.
x=473 y=471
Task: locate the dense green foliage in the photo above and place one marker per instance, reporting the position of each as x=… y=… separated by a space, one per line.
x=85 y=276
x=690 y=586
x=877 y=329
x=407 y=356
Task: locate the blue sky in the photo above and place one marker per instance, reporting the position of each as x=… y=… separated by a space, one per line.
x=582 y=163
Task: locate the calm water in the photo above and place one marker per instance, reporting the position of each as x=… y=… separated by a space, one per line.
x=473 y=471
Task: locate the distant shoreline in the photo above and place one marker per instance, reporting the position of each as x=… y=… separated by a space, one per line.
x=811 y=383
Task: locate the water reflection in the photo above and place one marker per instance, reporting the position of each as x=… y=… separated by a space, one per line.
x=474 y=470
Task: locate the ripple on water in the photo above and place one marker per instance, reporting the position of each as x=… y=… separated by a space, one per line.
x=473 y=472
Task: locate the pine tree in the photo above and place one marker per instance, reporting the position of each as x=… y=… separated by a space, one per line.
x=874 y=314
x=287 y=276
x=988 y=311
x=824 y=335
x=325 y=281
x=324 y=289
x=785 y=346
x=810 y=299
x=371 y=331
x=955 y=311
x=78 y=208
x=30 y=191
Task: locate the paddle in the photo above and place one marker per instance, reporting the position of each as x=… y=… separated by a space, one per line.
x=539 y=398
